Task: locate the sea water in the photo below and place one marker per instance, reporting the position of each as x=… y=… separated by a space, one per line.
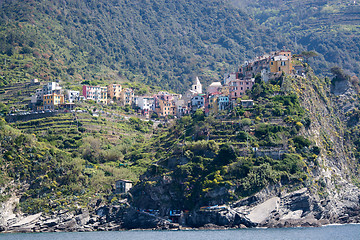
x=337 y=232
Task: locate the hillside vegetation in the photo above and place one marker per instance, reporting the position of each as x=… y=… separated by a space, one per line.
x=161 y=42
x=331 y=28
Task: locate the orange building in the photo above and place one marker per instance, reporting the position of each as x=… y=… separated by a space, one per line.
x=165 y=105
x=114 y=91
x=51 y=101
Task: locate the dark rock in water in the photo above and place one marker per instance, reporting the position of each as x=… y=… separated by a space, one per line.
x=2 y=229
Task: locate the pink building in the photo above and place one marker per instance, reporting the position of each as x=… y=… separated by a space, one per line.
x=238 y=87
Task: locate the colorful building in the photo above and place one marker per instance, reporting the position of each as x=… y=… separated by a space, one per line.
x=164 y=105
x=239 y=87
x=211 y=103
x=223 y=102
x=51 y=101
x=96 y=93
x=114 y=91
x=127 y=96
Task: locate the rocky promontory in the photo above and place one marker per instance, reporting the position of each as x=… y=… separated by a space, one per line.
x=268 y=208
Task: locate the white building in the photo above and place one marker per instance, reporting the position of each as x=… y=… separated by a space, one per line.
x=51 y=87
x=96 y=93
x=72 y=96
x=197 y=102
x=38 y=96
x=123 y=186
x=145 y=103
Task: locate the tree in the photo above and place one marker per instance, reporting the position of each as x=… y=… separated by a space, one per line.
x=309 y=54
x=339 y=74
x=227 y=154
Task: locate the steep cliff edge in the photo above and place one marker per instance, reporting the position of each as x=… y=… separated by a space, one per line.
x=328 y=193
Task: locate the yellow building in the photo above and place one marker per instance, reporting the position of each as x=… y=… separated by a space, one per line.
x=213 y=106
x=51 y=101
x=114 y=91
x=166 y=107
x=103 y=94
x=225 y=90
x=281 y=62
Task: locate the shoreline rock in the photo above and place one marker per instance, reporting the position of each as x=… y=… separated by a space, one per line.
x=268 y=209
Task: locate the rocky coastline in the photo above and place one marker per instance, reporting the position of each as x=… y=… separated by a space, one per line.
x=296 y=209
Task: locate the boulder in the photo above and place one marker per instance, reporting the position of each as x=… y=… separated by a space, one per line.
x=68 y=226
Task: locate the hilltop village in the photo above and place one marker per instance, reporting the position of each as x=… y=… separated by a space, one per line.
x=218 y=96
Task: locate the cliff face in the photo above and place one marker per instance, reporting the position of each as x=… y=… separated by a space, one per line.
x=328 y=195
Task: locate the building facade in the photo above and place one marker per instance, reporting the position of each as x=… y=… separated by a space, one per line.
x=52 y=101
x=123 y=186
x=127 y=96
x=114 y=91
x=72 y=96
x=165 y=105
x=96 y=93
x=239 y=87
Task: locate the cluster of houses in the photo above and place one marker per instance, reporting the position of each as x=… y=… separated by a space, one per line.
x=217 y=97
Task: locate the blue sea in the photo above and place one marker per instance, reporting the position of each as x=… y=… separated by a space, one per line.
x=337 y=232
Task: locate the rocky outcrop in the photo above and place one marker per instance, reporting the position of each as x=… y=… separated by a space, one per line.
x=268 y=208
x=141 y=220
x=294 y=209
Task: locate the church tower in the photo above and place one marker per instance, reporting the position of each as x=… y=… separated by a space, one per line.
x=197 y=86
